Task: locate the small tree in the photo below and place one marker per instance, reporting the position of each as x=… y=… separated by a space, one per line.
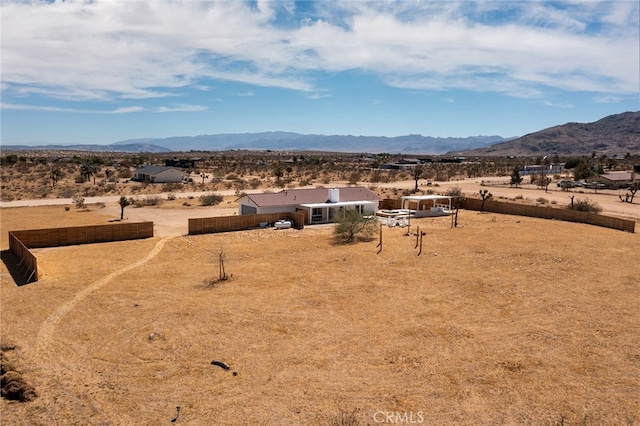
x=631 y=192
x=417 y=174
x=457 y=198
x=78 y=201
x=516 y=179
x=124 y=202
x=278 y=172
x=353 y=225
x=582 y=171
x=55 y=175
x=485 y=194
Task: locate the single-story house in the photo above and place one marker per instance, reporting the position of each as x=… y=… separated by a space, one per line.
x=618 y=179
x=158 y=174
x=537 y=169
x=320 y=205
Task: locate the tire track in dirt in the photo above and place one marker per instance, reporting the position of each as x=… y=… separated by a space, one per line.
x=47 y=354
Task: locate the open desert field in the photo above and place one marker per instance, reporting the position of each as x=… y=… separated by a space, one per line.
x=503 y=320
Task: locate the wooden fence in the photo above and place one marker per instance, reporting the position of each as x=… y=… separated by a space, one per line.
x=54 y=237
x=550 y=213
x=27 y=268
x=534 y=211
x=21 y=241
x=209 y=225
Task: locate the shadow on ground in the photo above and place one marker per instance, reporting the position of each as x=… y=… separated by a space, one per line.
x=19 y=275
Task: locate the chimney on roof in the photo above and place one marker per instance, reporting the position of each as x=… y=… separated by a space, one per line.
x=334 y=195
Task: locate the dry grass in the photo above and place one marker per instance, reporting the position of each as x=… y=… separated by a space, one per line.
x=503 y=321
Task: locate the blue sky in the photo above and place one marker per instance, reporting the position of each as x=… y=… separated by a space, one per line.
x=102 y=71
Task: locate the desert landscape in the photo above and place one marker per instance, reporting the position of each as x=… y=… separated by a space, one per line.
x=503 y=320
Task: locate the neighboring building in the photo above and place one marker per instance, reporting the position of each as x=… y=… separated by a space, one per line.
x=182 y=163
x=320 y=205
x=158 y=174
x=618 y=179
x=552 y=169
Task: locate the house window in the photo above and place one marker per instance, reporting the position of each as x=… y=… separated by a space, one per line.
x=316 y=214
x=360 y=208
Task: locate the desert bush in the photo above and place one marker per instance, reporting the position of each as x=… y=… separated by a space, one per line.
x=354 y=225
x=211 y=199
x=254 y=183
x=586 y=205
x=169 y=187
x=153 y=200
x=78 y=201
x=454 y=191
x=541 y=200
x=171 y=196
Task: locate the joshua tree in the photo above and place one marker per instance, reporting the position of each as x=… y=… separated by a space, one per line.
x=458 y=198
x=124 y=202
x=516 y=179
x=55 y=176
x=631 y=192
x=417 y=174
x=87 y=170
x=278 y=172
x=485 y=194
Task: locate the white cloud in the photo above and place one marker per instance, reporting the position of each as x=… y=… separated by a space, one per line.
x=181 y=108
x=105 y=50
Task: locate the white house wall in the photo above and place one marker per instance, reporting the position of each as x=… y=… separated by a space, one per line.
x=280 y=209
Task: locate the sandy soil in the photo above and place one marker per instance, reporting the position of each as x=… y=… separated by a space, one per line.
x=504 y=320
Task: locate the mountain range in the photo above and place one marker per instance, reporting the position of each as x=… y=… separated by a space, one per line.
x=617 y=134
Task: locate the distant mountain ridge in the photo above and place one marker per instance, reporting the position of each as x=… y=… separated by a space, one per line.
x=281 y=141
x=616 y=134
x=133 y=147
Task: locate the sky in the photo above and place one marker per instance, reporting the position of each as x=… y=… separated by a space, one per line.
x=103 y=71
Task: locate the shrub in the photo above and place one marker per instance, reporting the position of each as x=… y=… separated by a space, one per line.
x=354 y=225
x=586 y=205
x=210 y=199
x=78 y=201
x=153 y=200
x=541 y=200
x=454 y=191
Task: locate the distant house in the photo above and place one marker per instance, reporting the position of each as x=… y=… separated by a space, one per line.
x=182 y=163
x=537 y=169
x=618 y=179
x=158 y=174
x=320 y=205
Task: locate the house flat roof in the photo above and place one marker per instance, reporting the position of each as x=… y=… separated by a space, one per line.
x=425 y=197
x=292 y=197
x=338 y=204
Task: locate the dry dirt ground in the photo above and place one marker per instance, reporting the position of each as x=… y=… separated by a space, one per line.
x=504 y=320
